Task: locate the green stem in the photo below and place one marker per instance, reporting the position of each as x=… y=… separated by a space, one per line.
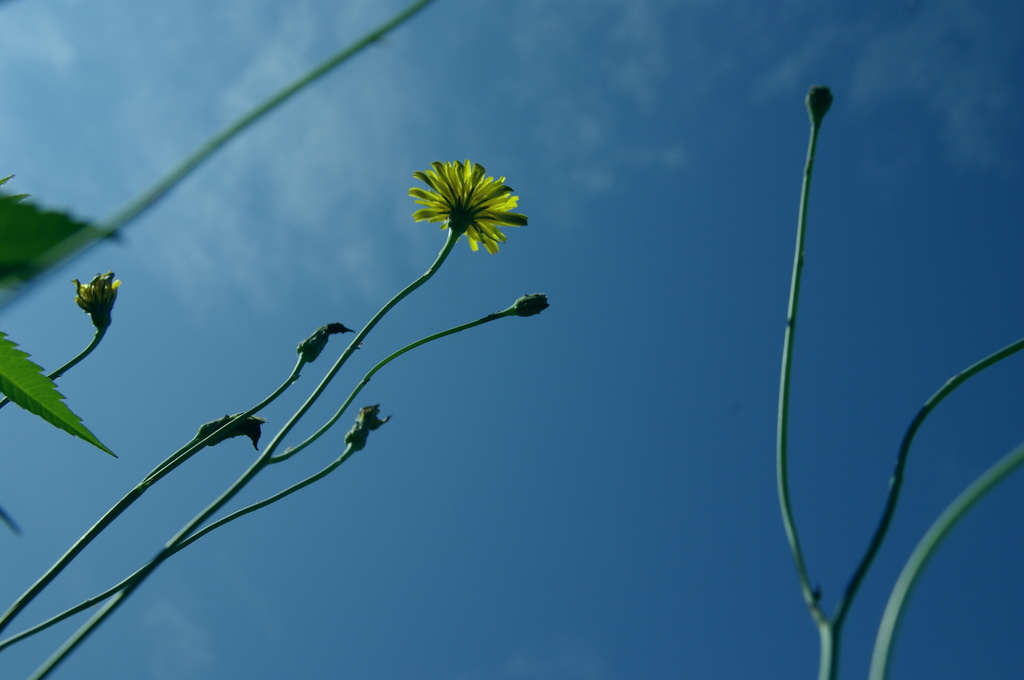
x=108 y=227
x=381 y=364
x=100 y=332
x=896 y=480
x=96 y=338
x=96 y=599
x=450 y=241
x=828 y=637
x=272 y=499
x=924 y=551
x=782 y=454
x=262 y=461
x=173 y=461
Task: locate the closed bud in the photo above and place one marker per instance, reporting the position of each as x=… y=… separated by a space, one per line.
x=528 y=305
x=819 y=99
x=97 y=298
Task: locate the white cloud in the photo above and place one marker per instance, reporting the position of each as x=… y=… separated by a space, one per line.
x=958 y=60
x=588 y=76
x=568 y=659
x=294 y=200
x=182 y=648
x=43 y=40
x=310 y=196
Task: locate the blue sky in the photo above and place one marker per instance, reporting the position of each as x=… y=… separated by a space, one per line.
x=588 y=494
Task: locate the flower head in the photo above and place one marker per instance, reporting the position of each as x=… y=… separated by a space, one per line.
x=467 y=202
x=97 y=297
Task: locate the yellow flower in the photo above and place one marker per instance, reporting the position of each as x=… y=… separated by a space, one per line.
x=467 y=203
x=97 y=297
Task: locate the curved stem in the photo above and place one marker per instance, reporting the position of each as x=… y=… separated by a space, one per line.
x=100 y=332
x=924 y=551
x=782 y=454
x=96 y=599
x=262 y=461
x=450 y=241
x=271 y=499
x=381 y=364
x=172 y=461
x=96 y=338
x=81 y=240
x=896 y=480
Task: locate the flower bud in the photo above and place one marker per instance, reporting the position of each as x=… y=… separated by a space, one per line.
x=531 y=304
x=819 y=99
x=97 y=298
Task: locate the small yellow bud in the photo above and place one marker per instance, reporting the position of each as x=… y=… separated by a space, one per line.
x=97 y=298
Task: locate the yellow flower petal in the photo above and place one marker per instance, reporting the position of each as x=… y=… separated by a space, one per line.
x=466 y=201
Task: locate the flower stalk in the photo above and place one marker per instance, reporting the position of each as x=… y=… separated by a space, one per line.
x=468 y=203
x=830 y=627
x=925 y=550
x=264 y=459
x=528 y=305
x=814 y=102
x=173 y=461
x=97 y=299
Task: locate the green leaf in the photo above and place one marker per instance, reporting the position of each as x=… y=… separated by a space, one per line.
x=24 y=383
x=28 y=233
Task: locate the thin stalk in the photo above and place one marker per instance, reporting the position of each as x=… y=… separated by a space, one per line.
x=782 y=452
x=450 y=241
x=828 y=639
x=100 y=332
x=896 y=480
x=96 y=338
x=85 y=238
x=925 y=550
x=262 y=461
x=92 y=601
x=381 y=364
x=96 y=599
x=172 y=461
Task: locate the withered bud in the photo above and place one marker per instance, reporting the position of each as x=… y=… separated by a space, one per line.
x=311 y=347
x=366 y=421
x=250 y=427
